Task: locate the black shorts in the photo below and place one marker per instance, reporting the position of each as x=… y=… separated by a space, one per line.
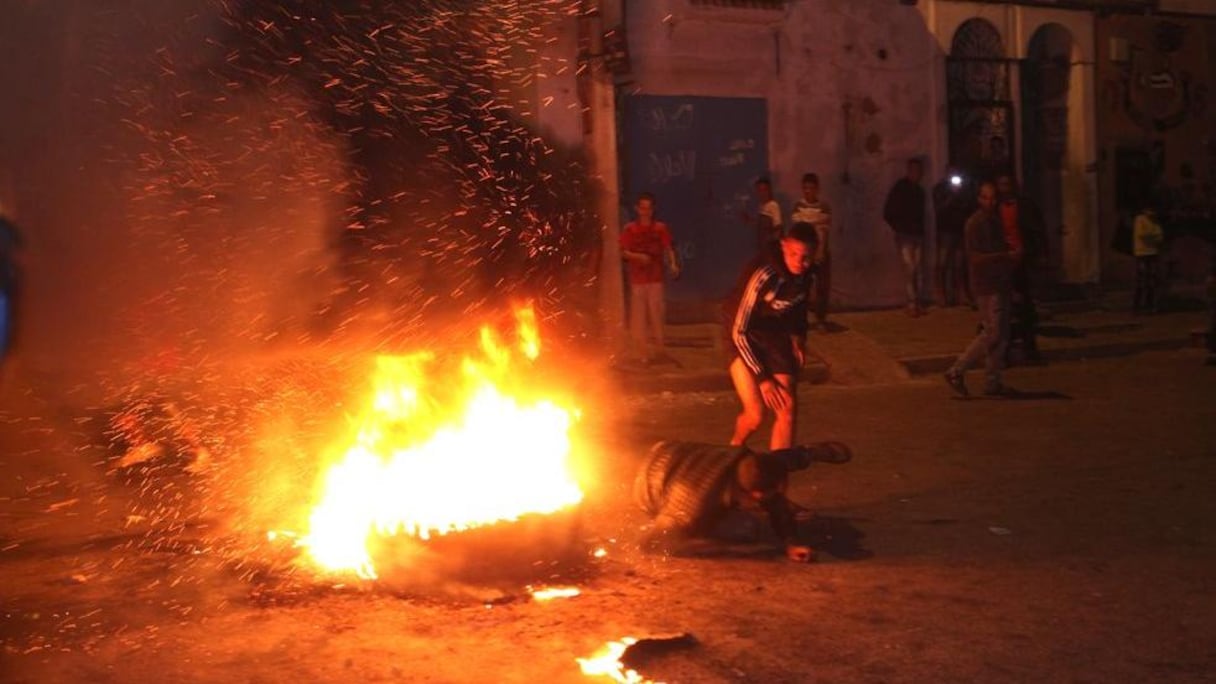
x=775 y=352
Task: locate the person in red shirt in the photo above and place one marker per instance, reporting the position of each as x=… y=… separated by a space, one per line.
x=1009 y=221
x=1023 y=224
x=645 y=243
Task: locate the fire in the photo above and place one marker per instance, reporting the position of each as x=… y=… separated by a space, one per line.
x=420 y=468
x=607 y=663
x=550 y=593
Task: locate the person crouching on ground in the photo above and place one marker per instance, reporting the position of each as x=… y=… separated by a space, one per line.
x=768 y=328
x=991 y=262
x=693 y=489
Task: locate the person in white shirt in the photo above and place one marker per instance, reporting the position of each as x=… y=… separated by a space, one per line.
x=814 y=210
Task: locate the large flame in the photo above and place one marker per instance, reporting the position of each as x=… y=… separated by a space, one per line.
x=436 y=455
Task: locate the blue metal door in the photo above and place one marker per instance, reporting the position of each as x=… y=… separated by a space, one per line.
x=700 y=156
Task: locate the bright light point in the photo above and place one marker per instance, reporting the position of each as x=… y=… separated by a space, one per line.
x=550 y=593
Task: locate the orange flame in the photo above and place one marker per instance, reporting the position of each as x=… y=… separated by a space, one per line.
x=419 y=469
x=550 y=593
x=607 y=663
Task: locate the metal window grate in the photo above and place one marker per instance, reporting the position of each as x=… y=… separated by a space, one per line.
x=743 y=4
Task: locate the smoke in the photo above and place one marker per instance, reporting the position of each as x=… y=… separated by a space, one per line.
x=207 y=179
x=228 y=204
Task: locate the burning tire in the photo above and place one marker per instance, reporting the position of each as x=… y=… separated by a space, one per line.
x=681 y=480
x=525 y=550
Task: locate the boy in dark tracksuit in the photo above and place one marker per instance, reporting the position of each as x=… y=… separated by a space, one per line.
x=767 y=328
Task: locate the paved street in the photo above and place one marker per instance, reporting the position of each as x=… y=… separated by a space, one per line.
x=1066 y=537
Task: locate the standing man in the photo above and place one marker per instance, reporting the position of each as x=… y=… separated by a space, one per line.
x=645 y=243
x=813 y=210
x=904 y=212
x=953 y=204
x=768 y=330
x=992 y=262
x=767 y=222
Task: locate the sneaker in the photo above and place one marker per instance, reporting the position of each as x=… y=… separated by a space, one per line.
x=957 y=383
x=829 y=452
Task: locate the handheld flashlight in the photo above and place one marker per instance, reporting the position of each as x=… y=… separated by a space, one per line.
x=956 y=180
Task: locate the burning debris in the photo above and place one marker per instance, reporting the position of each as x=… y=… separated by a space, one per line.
x=550 y=593
x=622 y=660
x=148 y=429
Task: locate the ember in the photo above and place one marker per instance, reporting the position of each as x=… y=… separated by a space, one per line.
x=421 y=468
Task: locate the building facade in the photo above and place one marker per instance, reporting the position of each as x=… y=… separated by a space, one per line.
x=851 y=89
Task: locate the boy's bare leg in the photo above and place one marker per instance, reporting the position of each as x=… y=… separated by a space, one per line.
x=753 y=404
x=786 y=421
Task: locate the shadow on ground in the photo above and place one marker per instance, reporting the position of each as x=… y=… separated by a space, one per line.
x=830 y=536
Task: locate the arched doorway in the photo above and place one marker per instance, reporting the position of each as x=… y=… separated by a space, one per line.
x=1046 y=82
x=1054 y=172
x=978 y=97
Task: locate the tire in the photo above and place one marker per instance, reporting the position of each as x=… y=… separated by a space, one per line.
x=683 y=481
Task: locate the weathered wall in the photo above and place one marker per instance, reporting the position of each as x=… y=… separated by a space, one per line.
x=1155 y=90
x=850 y=96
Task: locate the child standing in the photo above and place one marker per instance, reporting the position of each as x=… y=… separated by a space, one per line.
x=1147 y=237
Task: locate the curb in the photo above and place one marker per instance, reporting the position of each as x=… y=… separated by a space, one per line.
x=703 y=381
x=939 y=363
x=816 y=374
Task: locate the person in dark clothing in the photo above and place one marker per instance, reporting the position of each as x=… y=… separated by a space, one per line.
x=992 y=262
x=767 y=326
x=814 y=210
x=696 y=489
x=1211 y=292
x=1025 y=232
x=953 y=204
x=904 y=212
x=10 y=241
x=767 y=221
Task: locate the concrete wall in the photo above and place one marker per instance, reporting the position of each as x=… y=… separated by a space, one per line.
x=849 y=85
